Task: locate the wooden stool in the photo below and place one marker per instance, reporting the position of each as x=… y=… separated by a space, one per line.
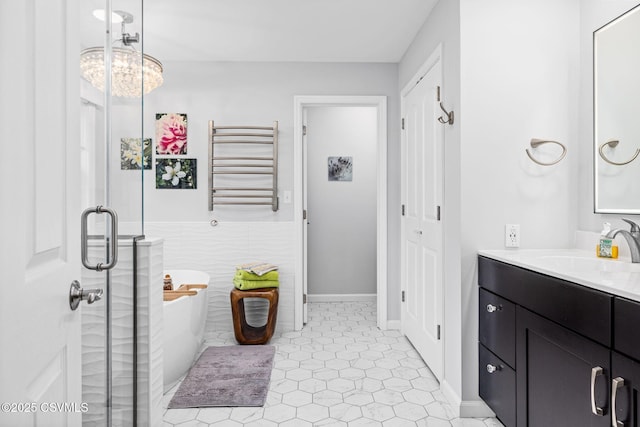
x=245 y=333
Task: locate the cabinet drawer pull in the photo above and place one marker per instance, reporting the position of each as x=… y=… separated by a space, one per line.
x=615 y=385
x=492 y=308
x=492 y=368
x=595 y=373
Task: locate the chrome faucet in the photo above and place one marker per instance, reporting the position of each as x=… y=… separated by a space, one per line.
x=632 y=237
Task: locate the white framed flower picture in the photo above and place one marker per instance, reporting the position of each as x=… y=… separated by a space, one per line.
x=176 y=173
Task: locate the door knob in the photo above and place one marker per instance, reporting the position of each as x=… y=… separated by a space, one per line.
x=492 y=308
x=77 y=294
x=492 y=368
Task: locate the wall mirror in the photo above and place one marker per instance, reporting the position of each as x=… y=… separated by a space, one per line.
x=616 y=98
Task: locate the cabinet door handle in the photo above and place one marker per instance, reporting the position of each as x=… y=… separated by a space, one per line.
x=492 y=308
x=595 y=373
x=615 y=385
x=492 y=368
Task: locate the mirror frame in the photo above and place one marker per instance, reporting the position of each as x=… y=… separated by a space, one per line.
x=597 y=205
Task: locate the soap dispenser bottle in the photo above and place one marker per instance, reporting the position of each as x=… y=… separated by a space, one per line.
x=606 y=247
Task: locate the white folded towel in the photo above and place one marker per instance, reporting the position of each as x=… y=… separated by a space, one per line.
x=258 y=268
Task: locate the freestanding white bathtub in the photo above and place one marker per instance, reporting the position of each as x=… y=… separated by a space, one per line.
x=183 y=321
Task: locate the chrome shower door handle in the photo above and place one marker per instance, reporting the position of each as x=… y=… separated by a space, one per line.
x=595 y=373
x=84 y=244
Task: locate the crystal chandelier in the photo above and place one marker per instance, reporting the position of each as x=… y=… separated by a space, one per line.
x=132 y=73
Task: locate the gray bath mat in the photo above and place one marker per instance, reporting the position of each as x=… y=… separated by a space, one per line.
x=227 y=376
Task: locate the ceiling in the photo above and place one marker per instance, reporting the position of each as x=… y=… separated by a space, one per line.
x=268 y=30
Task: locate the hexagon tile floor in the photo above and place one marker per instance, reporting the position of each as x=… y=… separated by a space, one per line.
x=340 y=370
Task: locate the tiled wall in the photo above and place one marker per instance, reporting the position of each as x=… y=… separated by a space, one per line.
x=216 y=250
x=149 y=338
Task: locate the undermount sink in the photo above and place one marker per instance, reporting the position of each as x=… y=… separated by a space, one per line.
x=573 y=263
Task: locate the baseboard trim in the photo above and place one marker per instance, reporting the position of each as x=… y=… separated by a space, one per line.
x=475 y=409
x=451 y=396
x=465 y=408
x=341 y=297
x=394 y=324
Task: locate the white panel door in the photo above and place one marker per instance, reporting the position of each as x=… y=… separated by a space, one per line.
x=422 y=282
x=40 y=381
x=305 y=222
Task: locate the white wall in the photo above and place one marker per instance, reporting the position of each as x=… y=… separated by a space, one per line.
x=508 y=81
x=519 y=80
x=252 y=94
x=341 y=214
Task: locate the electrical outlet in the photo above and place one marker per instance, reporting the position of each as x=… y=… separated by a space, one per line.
x=512 y=235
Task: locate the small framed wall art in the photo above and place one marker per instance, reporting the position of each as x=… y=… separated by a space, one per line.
x=171 y=134
x=340 y=168
x=135 y=153
x=176 y=173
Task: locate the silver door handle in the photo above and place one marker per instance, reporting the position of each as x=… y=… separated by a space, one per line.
x=492 y=368
x=84 y=244
x=615 y=385
x=595 y=373
x=77 y=294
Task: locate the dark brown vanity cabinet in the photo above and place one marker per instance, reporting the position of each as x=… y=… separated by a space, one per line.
x=548 y=357
x=497 y=351
x=625 y=389
x=625 y=363
x=558 y=370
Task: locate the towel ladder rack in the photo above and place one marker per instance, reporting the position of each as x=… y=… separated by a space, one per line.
x=248 y=153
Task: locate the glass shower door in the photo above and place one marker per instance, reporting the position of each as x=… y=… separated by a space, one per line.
x=115 y=155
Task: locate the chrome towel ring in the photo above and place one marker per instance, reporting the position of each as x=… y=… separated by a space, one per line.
x=613 y=143
x=536 y=142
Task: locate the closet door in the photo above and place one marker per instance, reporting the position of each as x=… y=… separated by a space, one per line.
x=422 y=249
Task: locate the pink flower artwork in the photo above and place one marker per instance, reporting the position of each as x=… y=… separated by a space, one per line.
x=171 y=133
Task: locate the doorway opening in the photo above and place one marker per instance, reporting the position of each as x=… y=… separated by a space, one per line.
x=302 y=105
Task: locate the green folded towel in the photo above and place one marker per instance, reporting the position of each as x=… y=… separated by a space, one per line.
x=247 y=275
x=247 y=285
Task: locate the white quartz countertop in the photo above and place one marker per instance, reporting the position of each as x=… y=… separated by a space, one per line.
x=615 y=276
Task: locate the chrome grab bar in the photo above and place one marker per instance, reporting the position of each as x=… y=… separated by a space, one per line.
x=85 y=239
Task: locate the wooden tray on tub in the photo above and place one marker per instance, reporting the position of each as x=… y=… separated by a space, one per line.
x=183 y=290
